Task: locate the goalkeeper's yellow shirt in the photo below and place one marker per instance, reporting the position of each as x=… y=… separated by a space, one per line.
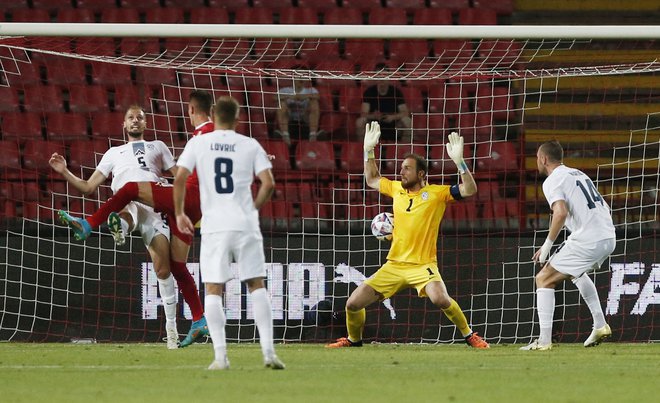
x=417 y=219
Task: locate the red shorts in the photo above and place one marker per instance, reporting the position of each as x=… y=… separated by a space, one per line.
x=164 y=203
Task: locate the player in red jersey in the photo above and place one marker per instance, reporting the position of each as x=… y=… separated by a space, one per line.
x=159 y=196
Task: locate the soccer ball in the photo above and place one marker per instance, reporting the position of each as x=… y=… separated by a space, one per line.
x=382 y=226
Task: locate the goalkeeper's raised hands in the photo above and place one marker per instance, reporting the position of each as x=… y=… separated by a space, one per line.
x=455 y=151
x=371 y=136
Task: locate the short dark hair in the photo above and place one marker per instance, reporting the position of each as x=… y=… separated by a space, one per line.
x=226 y=110
x=203 y=100
x=422 y=165
x=553 y=150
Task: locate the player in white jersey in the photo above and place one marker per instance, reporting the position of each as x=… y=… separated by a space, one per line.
x=226 y=164
x=136 y=161
x=576 y=204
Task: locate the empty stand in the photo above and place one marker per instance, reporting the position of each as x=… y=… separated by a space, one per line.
x=107 y=124
x=297 y=15
x=408 y=50
x=497 y=157
x=388 y=16
x=120 y=15
x=166 y=15
x=66 y=72
x=477 y=16
x=71 y=15
x=29 y=15
x=253 y=16
x=281 y=152
x=86 y=153
x=66 y=126
x=36 y=154
x=43 y=98
x=21 y=126
x=364 y=49
x=88 y=98
x=351 y=157
x=10 y=163
x=343 y=16
x=110 y=74
x=10 y=101
x=204 y=15
x=315 y=156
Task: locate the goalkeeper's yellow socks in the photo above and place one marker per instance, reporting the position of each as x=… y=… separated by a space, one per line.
x=355 y=324
x=455 y=314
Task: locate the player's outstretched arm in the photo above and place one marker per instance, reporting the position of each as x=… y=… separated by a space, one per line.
x=179 y=194
x=371 y=136
x=559 y=215
x=58 y=163
x=468 y=187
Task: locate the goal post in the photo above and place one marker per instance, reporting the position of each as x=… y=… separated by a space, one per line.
x=506 y=89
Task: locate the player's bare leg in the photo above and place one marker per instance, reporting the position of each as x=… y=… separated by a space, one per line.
x=437 y=293
x=359 y=299
x=263 y=318
x=159 y=249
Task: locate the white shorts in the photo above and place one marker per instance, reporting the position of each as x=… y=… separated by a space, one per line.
x=220 y=248
x=148 y=222
x=576 y=258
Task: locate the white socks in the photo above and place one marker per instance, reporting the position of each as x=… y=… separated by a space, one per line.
x=216 y=319
x=263 y=318
x=545 y=306
x=168 y=295
x=590 y=296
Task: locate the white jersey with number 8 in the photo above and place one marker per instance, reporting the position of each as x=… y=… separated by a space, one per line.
x=226 y=164
x=589 y=217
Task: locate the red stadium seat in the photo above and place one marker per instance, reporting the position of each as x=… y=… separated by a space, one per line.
x=10 y=163
x=96 y=4
x=433 y=16
x=504 y=7
x=270 y=3
x=322 y=51
x=28 y=191
x=66 y=126
x=416 y=4
x=143 y=4
x=30 y=15
x=453 y=52
x=43 y=98
x=500 y=53
x=315 y=156
x=281 y=152
x=410 y=51
x=37 y=152
x=352 y=157
x=107 y=124
x=28 y=74
x=272 y=49
x=318 y=4
x=120 y=15
x=21 y=126
x=368 y=5
x=88 y=98
x=184 y=3
x=230 y=4
x=66 y=72
x=350 y=99
x=364 y=49
x=126 y=96
x=75 y=15
x=9 y=97
x=388 y=16
x=440 y=162
x=110 y=74
x=414 y=99
x=448 y=99
x=497 y=157
x=155 y=76
x=85 y=153
x=51 y=4
x=161 y=127
x=337 y=124
x=343 y=16
x=297 y=15
x=96 y=46
x=496 y=100
x=453 y=5
x=253 y=16
x=167 y=15
x=139 y=46
x=205 y=15
x=477 y=16
x=428 y=126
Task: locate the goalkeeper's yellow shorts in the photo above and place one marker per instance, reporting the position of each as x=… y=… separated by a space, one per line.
x=393 y=277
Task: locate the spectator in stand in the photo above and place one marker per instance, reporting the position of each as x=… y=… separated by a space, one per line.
x=299 y=111
x=385 y=104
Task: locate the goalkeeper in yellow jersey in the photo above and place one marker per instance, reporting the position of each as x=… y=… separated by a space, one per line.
x=412 y=260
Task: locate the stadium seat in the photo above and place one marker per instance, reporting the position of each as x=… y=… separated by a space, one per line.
x=441 y=163
x=315 y=156
x=205 y=15
x=155 y=76
x=107 y=124
x=172 y=100
x=143 y=3
x=350 y=99
x=351 y=157
x=37 y=153
x=10 y=163
x=367 y=5
x=88 y=98
x=161 y=127
x=453 y=5
x=125 y=96
x=21 y=126
x=455 y=53
x=75 y=15
x=203 y=80
x=408 y=4
x=43 y=98
x=66 y=126
x=110 y=74
x=281 y=152
x=230 y=4
x=387 y=16
x=30 y=15
x=120 y=15
x=86 y=153
x=258 y=130
x=343 y=16
x=499 y=53
x=184 y=3
x=186 y=48
x=271 y=3
x=269 y=50
x=504 y=7
x=477 y=16
x=318 y=4
x=428 y=126
x=297 y=15
x=96 y=46
x=448 y=99
x=324 y=50
x=27 y=191
x=253 y=16
x=496 y=100
x=337 y=124
x=51 y=4
x=139 y=46
x=66 y=71
x=96 y=4
x=10 y=101
x=364 y=49
x=409 y=51
x=497 y=157
x=488 y=190
x=28 y=74
x=167 y=15
x=433 y=16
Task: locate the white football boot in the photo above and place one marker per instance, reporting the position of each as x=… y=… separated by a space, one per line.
x=535 y=345
x=598 y=335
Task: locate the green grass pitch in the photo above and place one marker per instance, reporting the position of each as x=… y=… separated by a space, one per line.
x=611 y=372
